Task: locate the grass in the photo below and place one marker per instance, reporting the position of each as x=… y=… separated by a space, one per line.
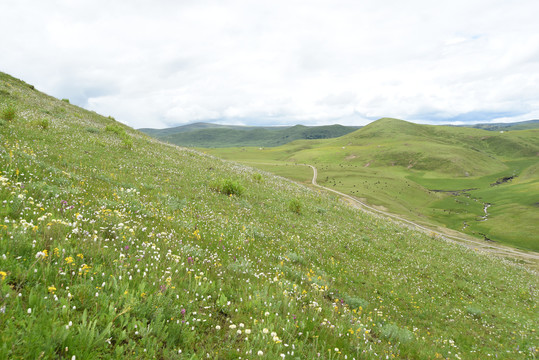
x=418 y=171
x=108 y=253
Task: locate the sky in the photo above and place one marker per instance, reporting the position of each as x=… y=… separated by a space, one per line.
x=163 y=63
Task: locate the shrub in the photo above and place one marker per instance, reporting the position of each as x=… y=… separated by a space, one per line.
x=257 y=177
x=65 y=100
x=43 y=123
x=92 y=130
x=127 y=141
x=355 y=302
x=120 y=131
x=295 y=206
x=117 y=129
x=295 y=258
x=229 y=187
x=473 y=311
x=396 y=334
x=9 y=113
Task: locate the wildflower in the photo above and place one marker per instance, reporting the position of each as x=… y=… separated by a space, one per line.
x=260 y=353
x=217 y=327
x=69 y=259
x=80 y=256
x=265 y=331
x=29 y=311
x=232 y=326
x=3 y=274
x=52 y=289
x=248 y=331
x=41 y=254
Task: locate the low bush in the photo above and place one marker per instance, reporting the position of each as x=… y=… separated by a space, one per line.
x=258 y=177
x=43 y=123
x=117 y=129
x=474 y=312
x=9 y=113
x=295 y=206
x=396 y=334
x=92 y=130
x=228 y=187
x=355 y=302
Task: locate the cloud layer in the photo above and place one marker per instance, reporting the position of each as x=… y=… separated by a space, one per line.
x=163 y=63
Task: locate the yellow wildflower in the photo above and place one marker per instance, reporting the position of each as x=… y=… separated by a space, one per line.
x=3 y=274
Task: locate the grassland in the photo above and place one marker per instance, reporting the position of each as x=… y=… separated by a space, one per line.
x=438 y=175
x=114 y=245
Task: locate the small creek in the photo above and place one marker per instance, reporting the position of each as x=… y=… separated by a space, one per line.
x=485 y=209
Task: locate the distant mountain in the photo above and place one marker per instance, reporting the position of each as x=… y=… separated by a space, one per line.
x=522 y=125
x=215 y=135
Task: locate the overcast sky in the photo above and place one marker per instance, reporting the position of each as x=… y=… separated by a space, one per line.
x=163 y=63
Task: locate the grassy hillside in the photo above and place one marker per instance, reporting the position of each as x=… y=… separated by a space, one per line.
x=212 y=135
x=113 y=245
x=521 y=125
x=439 y=175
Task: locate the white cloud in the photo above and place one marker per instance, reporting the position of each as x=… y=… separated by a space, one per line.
x=162 y=63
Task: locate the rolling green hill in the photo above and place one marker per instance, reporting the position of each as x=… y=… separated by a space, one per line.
x=115 y=245
x=441 y=175
x=521 y=125
x=214 y=135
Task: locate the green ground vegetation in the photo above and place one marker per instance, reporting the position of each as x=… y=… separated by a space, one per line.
x=440 y=175
x=109 y=251
x=213 y=135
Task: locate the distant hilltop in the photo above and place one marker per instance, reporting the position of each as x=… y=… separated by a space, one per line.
x=215 y=135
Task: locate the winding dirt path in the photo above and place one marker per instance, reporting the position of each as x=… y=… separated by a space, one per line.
x=528 y=257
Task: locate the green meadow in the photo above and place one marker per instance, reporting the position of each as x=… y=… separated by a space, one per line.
x=438 y=175
x=115 y=245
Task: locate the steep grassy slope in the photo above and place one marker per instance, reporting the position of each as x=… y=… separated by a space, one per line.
x=438 y=174
x=113 y=245
x=210 y=135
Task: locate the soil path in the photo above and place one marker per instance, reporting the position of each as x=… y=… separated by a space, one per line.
x=450 y=235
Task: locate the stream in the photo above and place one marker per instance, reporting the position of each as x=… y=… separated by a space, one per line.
x=485 y=209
